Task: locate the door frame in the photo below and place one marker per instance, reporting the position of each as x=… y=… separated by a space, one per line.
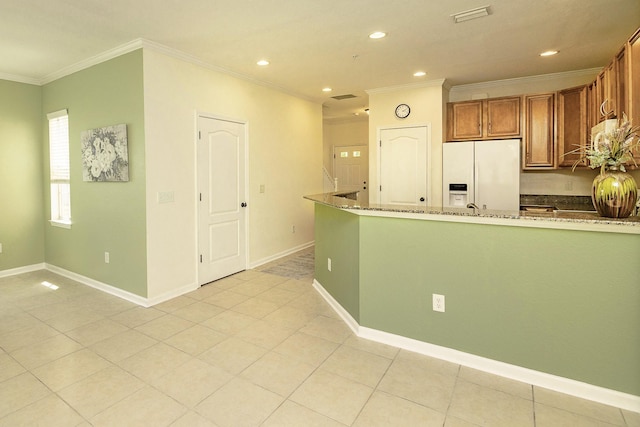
x=245 y=123
x=374 y=196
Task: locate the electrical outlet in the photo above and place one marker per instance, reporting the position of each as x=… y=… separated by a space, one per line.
x=106 y=257
x=329 y=264
x=438 y=302
x=262 y=188
x=293 y=229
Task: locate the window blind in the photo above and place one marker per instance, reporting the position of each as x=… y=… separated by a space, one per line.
x=59 y=145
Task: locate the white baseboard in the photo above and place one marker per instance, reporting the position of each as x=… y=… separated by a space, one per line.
x=344 y=314
x=541 y=379
x=21 y=270
x=281 y=254
x=112 y=290
x=172 y=294
x=104 y=287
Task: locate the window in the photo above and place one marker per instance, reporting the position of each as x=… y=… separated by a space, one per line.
x=59 y=165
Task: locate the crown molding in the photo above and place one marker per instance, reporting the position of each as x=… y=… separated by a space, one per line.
x=389 y=89
x=94 y=60
x=524 y=80
x=19 y=79
x=182 y=56
x=142 y=43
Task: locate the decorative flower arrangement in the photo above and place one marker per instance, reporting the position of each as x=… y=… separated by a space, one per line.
x=613 y=149
x=104 y=154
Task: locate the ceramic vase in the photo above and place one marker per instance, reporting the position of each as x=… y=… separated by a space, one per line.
x=614 y=193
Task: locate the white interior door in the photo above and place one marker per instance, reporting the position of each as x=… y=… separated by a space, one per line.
x=351 y=168
x=221 y=199
x=403 y=166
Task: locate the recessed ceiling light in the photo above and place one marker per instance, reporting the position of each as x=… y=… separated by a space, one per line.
x=327 y=89
x=470 y=14
x=262 y=62
x=549 y=53
x=419 y=74
x=377 y=35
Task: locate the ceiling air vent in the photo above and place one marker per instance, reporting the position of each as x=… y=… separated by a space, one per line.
x=341 y=97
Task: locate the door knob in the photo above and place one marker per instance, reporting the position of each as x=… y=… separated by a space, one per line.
x=422 y=199
x=243 y=204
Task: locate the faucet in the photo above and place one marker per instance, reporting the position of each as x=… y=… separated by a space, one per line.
x=472 y=205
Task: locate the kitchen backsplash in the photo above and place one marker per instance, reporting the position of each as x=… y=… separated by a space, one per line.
x=580 y=203
x=563 y=182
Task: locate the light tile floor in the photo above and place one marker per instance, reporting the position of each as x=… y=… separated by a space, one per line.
x=253 y=349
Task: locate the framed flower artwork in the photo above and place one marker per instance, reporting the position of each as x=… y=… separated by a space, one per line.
x=104 y=154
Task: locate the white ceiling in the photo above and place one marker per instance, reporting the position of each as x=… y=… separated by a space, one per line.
x=312 y=44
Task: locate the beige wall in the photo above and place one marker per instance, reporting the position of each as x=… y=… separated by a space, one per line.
x=426 y=102
x=284 y=150
x=352 y=132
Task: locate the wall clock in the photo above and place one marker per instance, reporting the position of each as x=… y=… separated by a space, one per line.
x=402 y=111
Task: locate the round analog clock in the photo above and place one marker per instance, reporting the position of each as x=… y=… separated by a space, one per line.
x=402 y=111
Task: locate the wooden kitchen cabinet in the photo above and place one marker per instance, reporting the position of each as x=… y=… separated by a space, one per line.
x=464 y=120
x=503 y=118
x=606 y=93
x=633 y=83
x=593 y=108
x=572 y=125
x=496 y=118
x=539 y=131
x=621 y=72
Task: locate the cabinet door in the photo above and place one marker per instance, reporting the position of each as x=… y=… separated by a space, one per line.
x=464 y=121
x=539 y=131
x=633 y=82
x=503 y=117
x=572 y=124
x=622 y=106
x=593 y=109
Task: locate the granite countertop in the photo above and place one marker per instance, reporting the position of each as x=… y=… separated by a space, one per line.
x=562 y=214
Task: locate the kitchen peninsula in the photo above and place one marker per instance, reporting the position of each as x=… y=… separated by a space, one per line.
x=552 y=299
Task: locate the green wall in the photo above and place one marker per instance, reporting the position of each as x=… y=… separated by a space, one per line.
x=557 y=301
x=21 y=206
x=337 y=237
x=106 y=216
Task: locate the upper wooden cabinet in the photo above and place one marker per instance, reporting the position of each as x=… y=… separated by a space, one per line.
x=496 y=118
x=621 y=73
x=632 y=54
x=539 y=131
x=464 y=120
x=572 y=124
x=607 y=93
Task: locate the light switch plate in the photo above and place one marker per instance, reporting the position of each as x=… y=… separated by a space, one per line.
x=165 y=197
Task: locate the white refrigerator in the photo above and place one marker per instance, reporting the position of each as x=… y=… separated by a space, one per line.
x=485 y=173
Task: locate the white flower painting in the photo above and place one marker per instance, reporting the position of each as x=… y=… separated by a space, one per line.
x=104 y=154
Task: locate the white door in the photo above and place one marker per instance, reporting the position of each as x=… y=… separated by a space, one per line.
x=403 y=166
x=221 y=199
x=351 y=168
